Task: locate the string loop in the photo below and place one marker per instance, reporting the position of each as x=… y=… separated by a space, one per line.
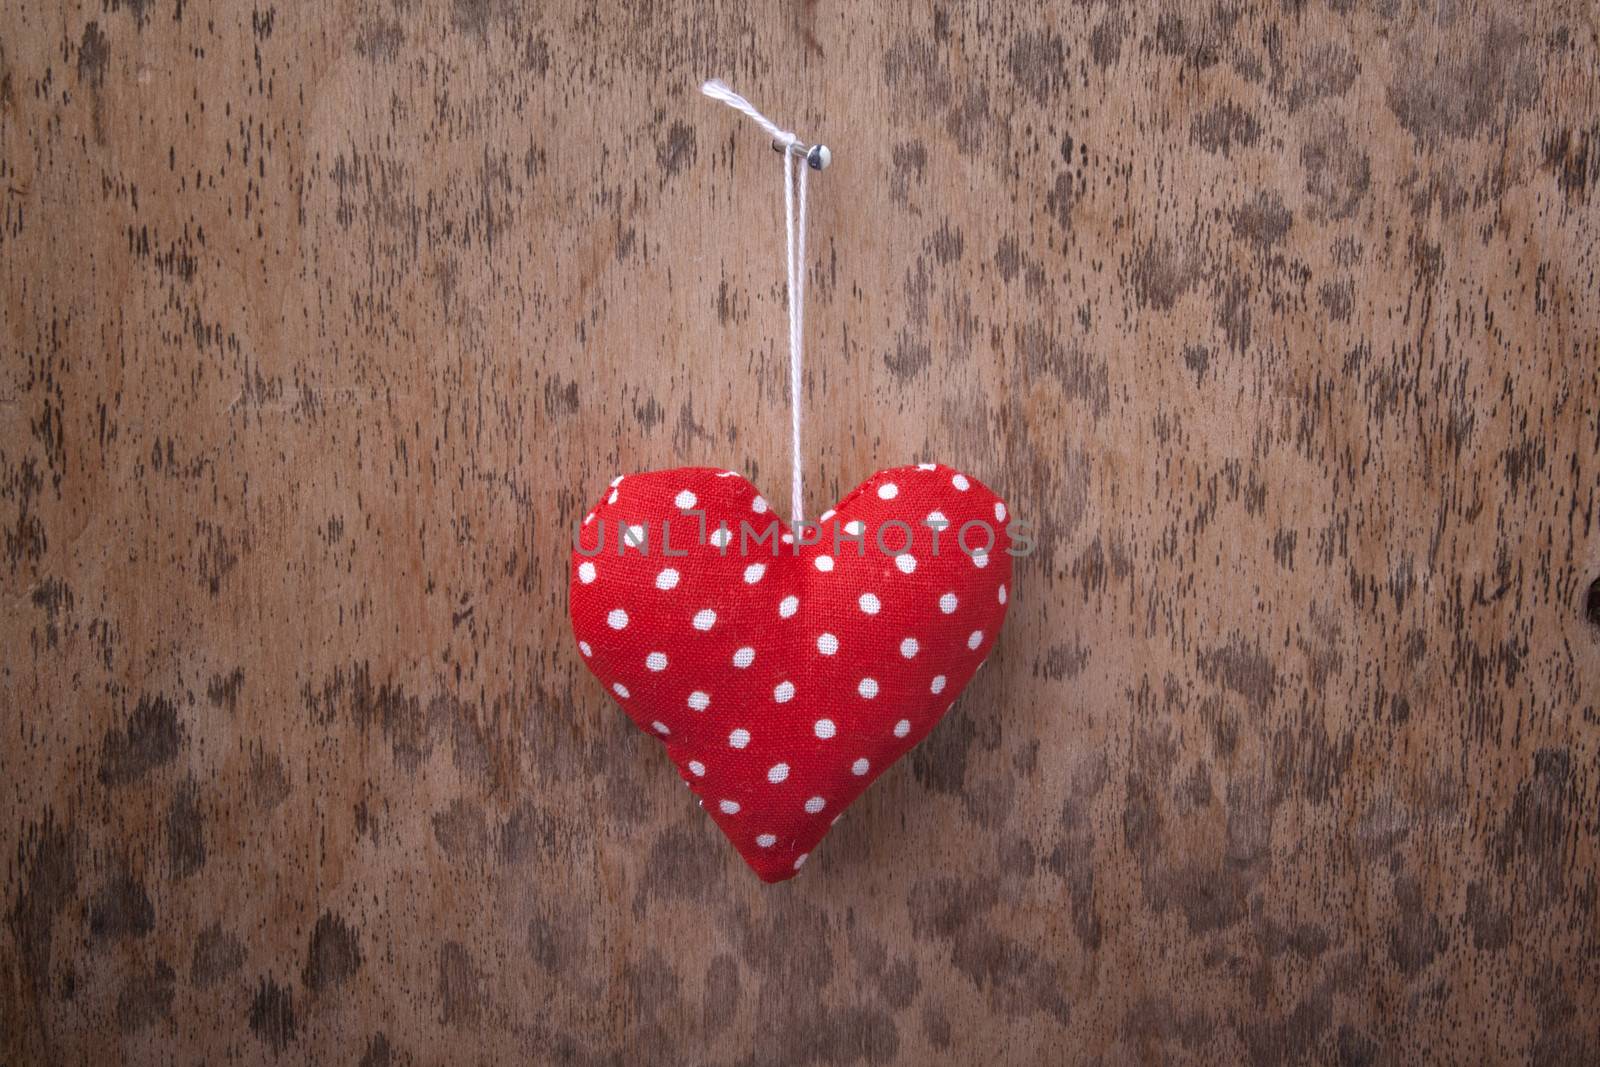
x=808 y=157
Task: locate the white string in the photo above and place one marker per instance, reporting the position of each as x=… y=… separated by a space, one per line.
x=795 y=262
x=717 y=89
x=797 y=321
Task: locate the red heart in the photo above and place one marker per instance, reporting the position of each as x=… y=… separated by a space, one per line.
x=783 y=682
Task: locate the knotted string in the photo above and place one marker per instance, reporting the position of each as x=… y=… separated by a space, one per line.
x=717 y=89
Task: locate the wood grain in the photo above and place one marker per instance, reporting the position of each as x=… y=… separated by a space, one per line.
x=323 y=321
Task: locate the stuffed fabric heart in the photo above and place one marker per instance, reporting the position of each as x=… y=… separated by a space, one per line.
x=785 y=670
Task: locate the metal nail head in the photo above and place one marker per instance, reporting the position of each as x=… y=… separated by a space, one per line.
x=817 y=156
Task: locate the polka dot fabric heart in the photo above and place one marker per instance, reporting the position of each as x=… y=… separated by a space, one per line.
x=782 y=676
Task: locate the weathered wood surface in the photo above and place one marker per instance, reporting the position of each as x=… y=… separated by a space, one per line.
x=322 y=321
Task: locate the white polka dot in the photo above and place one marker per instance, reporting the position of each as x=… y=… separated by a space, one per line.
x=800 y=860
x=667 y=579
x=938 y=683
x=975 y=639
x=868 y=688
x=909 y=647
x=824 y=728
x=739 y=738
x=999 y=511
x=906 y=562
x=814 y=805
x=699 y=700
x=827 y=644
x=635 y=536
x=587 y=519
x=656 y=661
x=744 y=657
x=936 y=519
x=902 y=727
x=660 y=727
x=787 y=539
x=855 y=527
x=788 y=606
x=617 y=480
x=783 y=692
x=888 y=491
x=586 y=572
x=704 y=619
x=777 y=772
x=824 y=563
x=685 y=499
x=753 y=573
x=583 y=646
x=767 y=840
x=617 y=619
x=927 y=466
x=612 y=499
x=721 y=536
x=947 y=603
x=728 y=474
x=961 y=483
x=759 y=506
x=729 y=807
x=697 y=768
x=980 y=560
x=1001 y=593
x=621 y=690
x=860 y=767
x=826 y=515
x=869 y=603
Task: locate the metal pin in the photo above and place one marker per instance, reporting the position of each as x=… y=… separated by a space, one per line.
x=817 y=156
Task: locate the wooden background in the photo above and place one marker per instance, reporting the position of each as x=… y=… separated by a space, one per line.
x=322 y=321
